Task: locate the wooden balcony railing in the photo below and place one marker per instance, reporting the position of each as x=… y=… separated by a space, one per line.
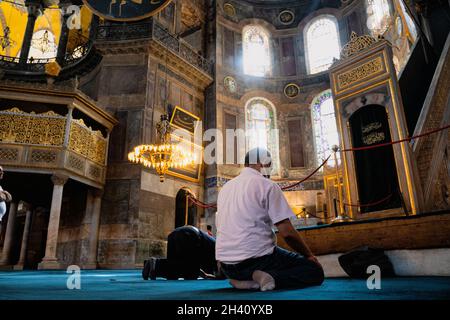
x=50 y=141
x=154 y=31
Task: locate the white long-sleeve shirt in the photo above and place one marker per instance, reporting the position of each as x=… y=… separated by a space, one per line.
x=247 y=208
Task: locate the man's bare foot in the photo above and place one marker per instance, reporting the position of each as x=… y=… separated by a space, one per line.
x=244 y=285
x=266 y=281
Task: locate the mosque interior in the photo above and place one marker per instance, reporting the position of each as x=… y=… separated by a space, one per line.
x=351 y=98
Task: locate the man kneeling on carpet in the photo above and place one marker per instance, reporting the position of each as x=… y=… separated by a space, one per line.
x=190 y=255
x=248 y=206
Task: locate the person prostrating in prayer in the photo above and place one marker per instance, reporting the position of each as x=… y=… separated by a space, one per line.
x=190 y=255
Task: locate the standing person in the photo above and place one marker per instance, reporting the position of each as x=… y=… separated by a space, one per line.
x=5 y=197
x=190 y=254
x=246 y=247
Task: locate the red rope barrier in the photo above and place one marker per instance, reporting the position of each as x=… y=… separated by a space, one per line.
x=308 y=177
x=200 y=204
x=369 y=204
x=203 y=205
x=398 y=141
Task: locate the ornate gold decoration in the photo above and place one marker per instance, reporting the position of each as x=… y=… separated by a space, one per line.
x=230 y=84
x=357 y=44
x=374 y=138
x=372 y=127
x=20 y=127
x=361 y=72
x=291 y=90
x=286 y=17
x=229 y=9
x=87 y=142
x=163 y=155
x=52 y=69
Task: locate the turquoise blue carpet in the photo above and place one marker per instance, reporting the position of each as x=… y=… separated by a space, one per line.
x=128 y=285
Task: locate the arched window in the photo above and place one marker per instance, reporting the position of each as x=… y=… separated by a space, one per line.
x=256 y=51
x=325 y=128
x=261 y=129
x=378 y=15
x=322 y=43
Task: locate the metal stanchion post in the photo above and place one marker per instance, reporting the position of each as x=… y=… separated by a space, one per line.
x=342 y=216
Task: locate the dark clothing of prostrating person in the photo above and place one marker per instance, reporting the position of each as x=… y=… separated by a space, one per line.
x=188 y=250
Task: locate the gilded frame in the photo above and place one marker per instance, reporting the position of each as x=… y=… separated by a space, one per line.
x=192 y=173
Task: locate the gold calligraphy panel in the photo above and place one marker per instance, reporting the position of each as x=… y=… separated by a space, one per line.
x=360 y=73
x=20 y=127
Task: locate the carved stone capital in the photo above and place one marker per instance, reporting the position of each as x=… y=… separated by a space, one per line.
x=59 y=180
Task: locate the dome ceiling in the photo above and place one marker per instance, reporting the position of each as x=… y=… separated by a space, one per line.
x=271 y=10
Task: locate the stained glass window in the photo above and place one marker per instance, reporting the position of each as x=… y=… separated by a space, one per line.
x=325 y=128
x=256 y=51
x=261 y=128
x=378 y=16
x=322 y=44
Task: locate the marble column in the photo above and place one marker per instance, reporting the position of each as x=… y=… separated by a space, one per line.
x=50 y=261
x=94 y=229
x=69 y=118
x=8 y=243
x=24 y=246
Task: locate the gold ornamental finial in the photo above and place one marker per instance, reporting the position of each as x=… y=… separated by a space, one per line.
x=357 y=44
x=52 y=69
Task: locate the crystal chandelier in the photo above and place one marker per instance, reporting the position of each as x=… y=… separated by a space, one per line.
x=164 y=155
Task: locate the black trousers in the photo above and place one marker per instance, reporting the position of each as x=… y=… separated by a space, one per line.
x=289 y=269
x=172 y=269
